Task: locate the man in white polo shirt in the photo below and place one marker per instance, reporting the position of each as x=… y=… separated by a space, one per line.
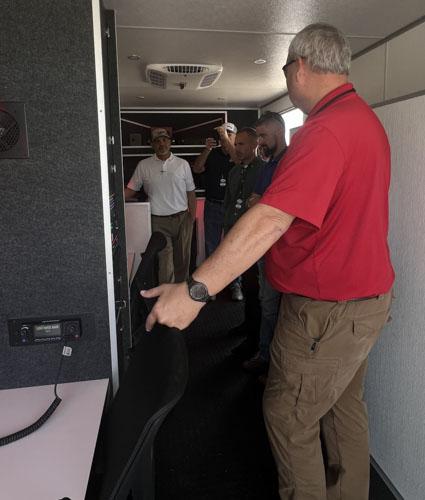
x=168 y=183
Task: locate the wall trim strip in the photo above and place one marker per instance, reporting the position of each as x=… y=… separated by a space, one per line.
x=104 y=170
x=164 y=109
x=397 y=33
x=385 y=479
x=398 y=99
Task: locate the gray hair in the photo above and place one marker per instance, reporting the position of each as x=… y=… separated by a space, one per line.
x=324 y=47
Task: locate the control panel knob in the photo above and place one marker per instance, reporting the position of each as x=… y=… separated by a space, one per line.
x=24 y=330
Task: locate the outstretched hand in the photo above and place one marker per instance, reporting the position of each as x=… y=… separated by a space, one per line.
x=174 y=307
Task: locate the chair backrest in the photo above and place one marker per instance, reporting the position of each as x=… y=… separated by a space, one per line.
x=152 y=385
x=146 y=277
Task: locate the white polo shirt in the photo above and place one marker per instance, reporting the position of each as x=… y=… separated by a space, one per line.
x=165 y=182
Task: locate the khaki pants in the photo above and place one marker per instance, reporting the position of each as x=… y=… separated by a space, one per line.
x=174 y=259
x=314 y=396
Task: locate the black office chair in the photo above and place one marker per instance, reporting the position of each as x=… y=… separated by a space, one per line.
x=155 y=380
x=152 y=385
x=146 y=277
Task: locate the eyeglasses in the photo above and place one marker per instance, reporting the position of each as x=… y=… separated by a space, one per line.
x=285 y=67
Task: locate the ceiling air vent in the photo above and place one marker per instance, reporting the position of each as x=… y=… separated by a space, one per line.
x=186 y=68
x=183 y=76
x=209 y=80
x=157 y=79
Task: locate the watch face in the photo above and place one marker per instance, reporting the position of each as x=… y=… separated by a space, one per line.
x=198 y=291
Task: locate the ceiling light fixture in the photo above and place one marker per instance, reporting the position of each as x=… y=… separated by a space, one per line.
x=260 y=61
x=133 y=57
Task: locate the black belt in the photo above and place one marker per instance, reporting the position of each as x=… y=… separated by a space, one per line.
x=349 y=300
x=172 y=215
x=212 y=200
x=363 y=298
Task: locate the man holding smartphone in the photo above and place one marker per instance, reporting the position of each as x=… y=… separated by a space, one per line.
x=216 y=160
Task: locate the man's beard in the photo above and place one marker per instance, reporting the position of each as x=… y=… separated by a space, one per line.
x=269 y=151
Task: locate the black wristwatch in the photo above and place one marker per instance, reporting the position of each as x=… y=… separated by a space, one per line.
x=197 y=290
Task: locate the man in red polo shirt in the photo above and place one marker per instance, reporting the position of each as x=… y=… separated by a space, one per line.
x=325 y=220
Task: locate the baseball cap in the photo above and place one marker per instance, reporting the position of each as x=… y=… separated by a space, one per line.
x=159 y=132
x=230 y=127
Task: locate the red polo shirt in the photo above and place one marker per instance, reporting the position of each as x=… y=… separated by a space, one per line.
x=334 y=178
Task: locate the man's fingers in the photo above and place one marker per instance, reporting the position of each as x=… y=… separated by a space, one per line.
x=150 y=321
x=153 y=292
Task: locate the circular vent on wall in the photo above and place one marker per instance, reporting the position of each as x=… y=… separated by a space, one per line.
x=9 y=131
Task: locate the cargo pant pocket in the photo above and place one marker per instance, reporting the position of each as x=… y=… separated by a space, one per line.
x=307 y=378
x=368 y=326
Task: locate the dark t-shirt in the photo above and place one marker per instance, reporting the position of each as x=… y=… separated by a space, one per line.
x=266 y=174
x=217 y=167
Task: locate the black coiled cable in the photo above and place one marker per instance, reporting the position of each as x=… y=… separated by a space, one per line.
x=33 y=427
x=42 y=420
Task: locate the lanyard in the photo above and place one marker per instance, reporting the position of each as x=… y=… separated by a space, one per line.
x=336 y=98
x=240 y=198
x=223 y=180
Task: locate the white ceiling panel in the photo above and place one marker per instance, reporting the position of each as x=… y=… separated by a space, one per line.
x=357 y=17
x=234 y=34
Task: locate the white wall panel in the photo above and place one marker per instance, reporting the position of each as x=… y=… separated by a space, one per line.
x=395 y=384
x=282 y=104
x=368 y=75
x=138 y=231
x=405 y=64
x=391 y=70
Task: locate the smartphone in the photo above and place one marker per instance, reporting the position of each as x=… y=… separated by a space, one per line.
x=215 y=135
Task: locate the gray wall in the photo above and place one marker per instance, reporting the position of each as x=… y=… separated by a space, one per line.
x=389 y=71
x=393 y=69
x=395 y=389
x=53 y=246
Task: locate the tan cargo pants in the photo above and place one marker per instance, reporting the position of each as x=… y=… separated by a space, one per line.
x=313 y=403
x=174 y=259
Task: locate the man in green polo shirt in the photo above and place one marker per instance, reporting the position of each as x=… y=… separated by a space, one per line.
x=240 y=185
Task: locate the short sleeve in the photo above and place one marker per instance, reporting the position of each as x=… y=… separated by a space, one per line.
x=305 y=179
x=136 y=181
x=188 y=177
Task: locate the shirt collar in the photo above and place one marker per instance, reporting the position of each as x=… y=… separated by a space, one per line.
x=255 y=161
x=277 y=158
x=331 y=95
x=155 y=157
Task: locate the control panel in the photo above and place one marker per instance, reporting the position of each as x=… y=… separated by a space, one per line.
x=31 y=331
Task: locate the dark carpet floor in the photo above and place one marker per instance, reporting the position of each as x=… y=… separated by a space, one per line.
x=213 y=446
